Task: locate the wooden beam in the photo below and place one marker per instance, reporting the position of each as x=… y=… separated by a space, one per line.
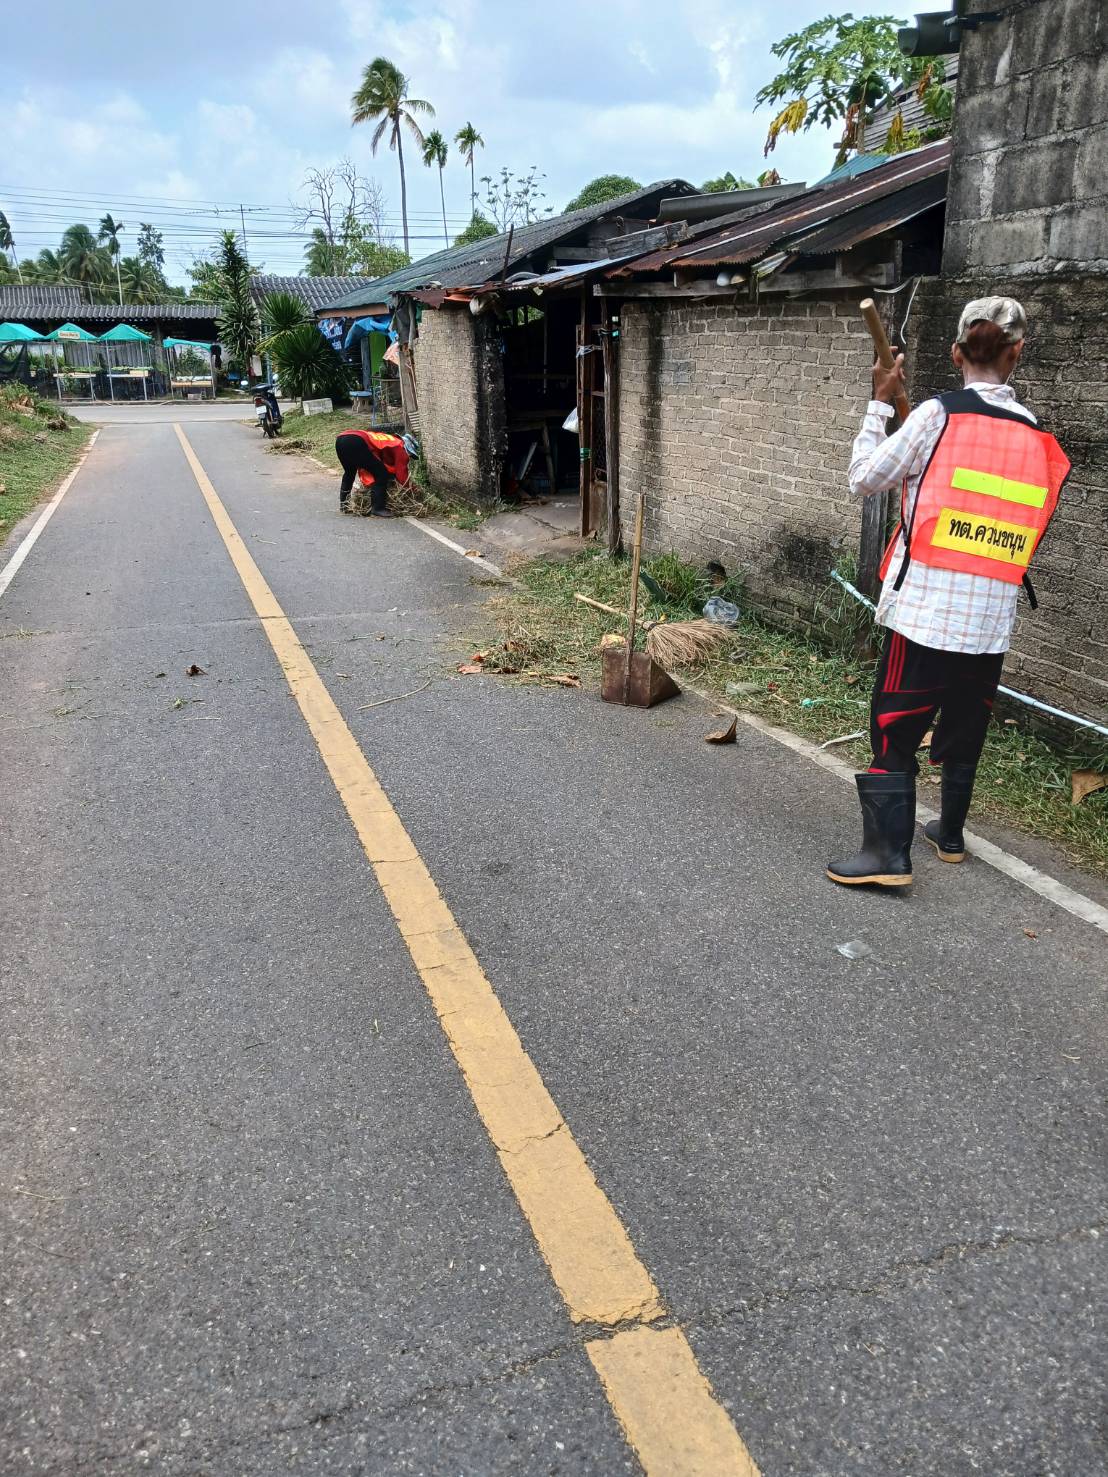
x=882 y=274
x=703 y=287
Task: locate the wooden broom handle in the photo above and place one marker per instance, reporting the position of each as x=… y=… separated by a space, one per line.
x=885 y=356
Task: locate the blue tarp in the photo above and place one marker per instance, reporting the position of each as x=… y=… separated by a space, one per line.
x=361 y=326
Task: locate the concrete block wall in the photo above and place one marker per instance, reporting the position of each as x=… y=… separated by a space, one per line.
x=738 y=421
x=1059 y=652
x=1029 y=175
x=460 y=387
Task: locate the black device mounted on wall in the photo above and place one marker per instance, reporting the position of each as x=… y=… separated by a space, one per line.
x=939 y=32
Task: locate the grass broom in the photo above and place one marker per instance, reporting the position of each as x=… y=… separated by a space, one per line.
x=673 y=643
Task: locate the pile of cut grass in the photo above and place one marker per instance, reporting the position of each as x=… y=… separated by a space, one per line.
x=39 y=444
x=1023 y=781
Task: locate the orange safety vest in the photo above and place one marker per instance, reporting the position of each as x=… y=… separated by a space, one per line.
x=388 y=449
x=986 y=495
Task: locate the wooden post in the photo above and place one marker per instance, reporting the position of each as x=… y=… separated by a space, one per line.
x=611 y=429
x=584 y=419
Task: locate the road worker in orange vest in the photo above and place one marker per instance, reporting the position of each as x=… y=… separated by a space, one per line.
x=979 y=482
x=376 y=458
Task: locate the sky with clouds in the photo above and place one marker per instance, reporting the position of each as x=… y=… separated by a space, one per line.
x=159 y=112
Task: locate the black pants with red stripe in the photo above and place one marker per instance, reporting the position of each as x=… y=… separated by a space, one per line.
x=916 y=682
x=356 y=457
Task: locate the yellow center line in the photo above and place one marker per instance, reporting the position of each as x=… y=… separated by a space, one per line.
x=650 y=1375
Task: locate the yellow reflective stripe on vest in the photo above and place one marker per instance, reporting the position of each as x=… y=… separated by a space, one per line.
x=987 y=538
x=987 y=484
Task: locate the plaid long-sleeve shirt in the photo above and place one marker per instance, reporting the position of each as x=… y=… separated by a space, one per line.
x=942 y=608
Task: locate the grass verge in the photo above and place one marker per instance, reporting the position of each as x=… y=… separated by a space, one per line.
x=822 y=693
x=38 y=445
x=315 y=436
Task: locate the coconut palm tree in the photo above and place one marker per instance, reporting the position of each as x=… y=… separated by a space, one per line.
x=8 y=244
x=110 y=232
x=383 y=99
x=48 y=269
x=144 y=285
x=435 y=151
x=468 y=139
x=83 y=261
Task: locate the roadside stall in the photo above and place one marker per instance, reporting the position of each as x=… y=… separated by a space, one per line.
x=79 y=360
x=191 y=372
x=17 y=358
x=371 y=337
x=128 y=360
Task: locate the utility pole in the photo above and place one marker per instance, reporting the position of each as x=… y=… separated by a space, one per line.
x=245 y=244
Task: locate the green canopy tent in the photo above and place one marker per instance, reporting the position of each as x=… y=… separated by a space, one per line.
x=181 y=382
x=19 y=333
x=69 y=334
x=14 y=338
x=125 y=357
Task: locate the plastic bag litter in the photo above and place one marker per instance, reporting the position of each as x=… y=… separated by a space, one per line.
x=721 y=612
x=570 y=423
x=854 y=949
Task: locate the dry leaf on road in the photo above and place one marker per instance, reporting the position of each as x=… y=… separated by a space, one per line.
x=1087 y=782
x=469 y=668
x=192 y=670
x=723 y=735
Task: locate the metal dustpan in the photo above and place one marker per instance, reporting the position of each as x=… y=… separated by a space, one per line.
x=632 y=677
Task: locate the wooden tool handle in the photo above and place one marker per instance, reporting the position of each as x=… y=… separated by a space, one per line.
x=885 y=356
x=636 y=560
x=610 y=609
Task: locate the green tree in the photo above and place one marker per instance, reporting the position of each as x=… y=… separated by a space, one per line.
x=83 y=260
x=151 y=247
x=469 y=141
x=48 y=269
x=364 y=255
x=140 y=281
x=513 y=199
x=479 y=227
x=322 y=257
x=110 y=231
x=230 y=286
x=7 y=244
x=306 y=364
x=435 y=152
x=604 y=187
x=840 y=70
x=725 y=182
x=383 y=99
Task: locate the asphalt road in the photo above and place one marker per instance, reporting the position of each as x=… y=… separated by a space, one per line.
x=251 y=1220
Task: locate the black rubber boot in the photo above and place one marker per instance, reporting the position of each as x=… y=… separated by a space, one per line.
x=344 y=502
x=945 y=834
x=888 y=820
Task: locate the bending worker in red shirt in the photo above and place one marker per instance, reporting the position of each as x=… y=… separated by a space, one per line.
x=376 y=458
x=979 y=482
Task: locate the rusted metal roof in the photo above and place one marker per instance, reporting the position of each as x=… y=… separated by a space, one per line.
x=870 y=220
x=825 y=208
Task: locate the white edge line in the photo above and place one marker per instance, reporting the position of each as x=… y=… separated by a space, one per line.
x=478 y=559
x=11 y=569
x=987 y=851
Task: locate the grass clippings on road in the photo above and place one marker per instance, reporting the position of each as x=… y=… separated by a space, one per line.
x=1023 y=780
x=39 y=444
x=314 y=435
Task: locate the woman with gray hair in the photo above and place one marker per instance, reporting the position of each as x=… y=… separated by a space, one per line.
x=979 y=482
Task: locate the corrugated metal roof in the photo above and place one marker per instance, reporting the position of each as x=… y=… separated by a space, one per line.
x=13 y=296
x=61 y=309
x=475 y=264
x=869 y=220
x=906 y=102
x=748 y=240
x=313 y=292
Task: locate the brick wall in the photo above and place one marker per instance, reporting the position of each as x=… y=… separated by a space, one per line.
x=738 y=421
x=1060 y=651
x=460 y=385
x=1028 y=181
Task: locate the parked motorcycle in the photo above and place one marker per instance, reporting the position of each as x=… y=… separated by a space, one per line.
x=266 y=409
